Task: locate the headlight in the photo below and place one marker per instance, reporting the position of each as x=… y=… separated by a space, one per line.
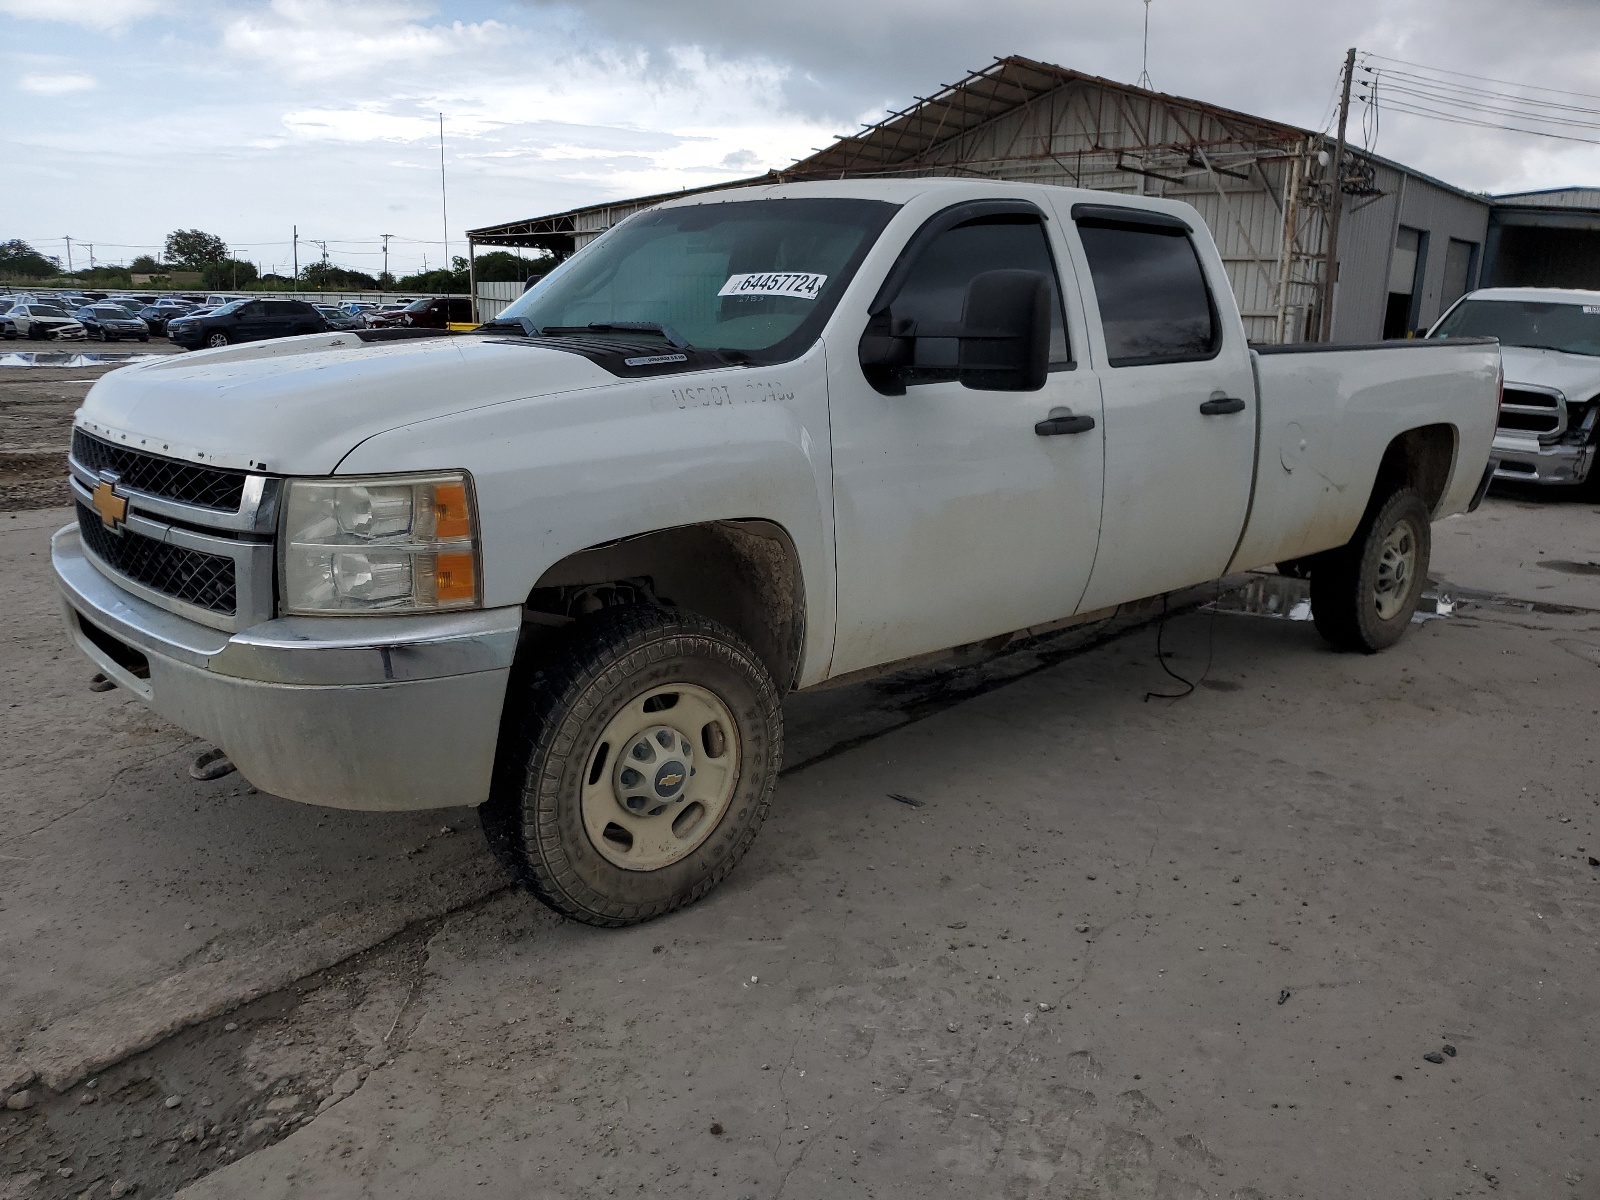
x=380 y=544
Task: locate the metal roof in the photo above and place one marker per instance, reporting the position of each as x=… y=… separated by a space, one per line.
x=1586 y=198
x=902 y=139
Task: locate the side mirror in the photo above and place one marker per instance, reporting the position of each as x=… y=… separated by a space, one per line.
x=1004 y=337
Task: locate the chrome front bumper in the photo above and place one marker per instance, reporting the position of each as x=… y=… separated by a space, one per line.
x=350 y=712
x=1525 y=460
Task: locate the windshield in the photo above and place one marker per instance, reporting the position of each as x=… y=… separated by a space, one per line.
x=1573 y=328
x=232 y=306
x=758 y=276
x=113 y=314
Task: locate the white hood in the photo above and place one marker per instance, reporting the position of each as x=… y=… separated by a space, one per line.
x=1576 y=376
x=296 y=406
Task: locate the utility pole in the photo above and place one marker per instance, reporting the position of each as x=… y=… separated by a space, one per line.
x=69 y=255
x=1330 y=268
x=91 y=254
x=297 y=258
x=444 y=213
x=385 y=237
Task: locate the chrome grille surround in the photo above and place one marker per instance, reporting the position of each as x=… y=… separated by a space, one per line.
x=244 y=536
x=1529 y=410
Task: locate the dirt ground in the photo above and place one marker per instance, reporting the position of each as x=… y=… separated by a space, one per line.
x=1013 y=930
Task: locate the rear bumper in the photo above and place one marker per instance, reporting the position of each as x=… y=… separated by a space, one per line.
x=380 y=713
x=1525 y=460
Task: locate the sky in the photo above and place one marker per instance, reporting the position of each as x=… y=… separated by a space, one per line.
x=125 y=119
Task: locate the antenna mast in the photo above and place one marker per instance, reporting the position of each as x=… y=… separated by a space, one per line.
x=1144 y=75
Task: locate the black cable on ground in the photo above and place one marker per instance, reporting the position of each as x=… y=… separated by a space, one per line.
x=1211 y=633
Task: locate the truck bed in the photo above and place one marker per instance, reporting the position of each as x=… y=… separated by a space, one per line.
x=1327 y=414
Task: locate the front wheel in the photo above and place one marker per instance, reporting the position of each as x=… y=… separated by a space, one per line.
x=1364 y=593
x=637 y=762
x=216 y=339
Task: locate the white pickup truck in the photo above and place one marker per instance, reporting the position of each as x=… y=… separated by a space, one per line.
x=566 y=566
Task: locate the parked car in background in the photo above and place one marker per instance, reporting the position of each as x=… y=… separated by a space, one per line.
x=246 y=321
x=42 y=321
x=218 y=299
x=8 y=327
x=338 y=318
x=1549 y=423
x=437 y=312
x=384 y=315
x=108 y=323
x=357 y=308
x=157 y=315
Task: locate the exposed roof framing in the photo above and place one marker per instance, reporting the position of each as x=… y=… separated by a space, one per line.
x=913 y=137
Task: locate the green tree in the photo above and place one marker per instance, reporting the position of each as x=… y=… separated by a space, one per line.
x=194 y=248
x=230 y=273
x=145 y=264
x=500 y=266
x=19 y=258
x=325 y=277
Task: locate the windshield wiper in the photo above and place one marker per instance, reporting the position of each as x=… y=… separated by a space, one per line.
x=528 y=328
x=656 y=327
x=1557 y=349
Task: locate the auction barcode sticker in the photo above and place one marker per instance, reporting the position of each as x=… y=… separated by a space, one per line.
x=1591 y=309
x=802 y=285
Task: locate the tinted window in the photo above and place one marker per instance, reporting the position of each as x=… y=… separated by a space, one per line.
x=1154 y=305
x=936 y=288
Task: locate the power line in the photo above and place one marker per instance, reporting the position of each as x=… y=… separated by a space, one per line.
x=1532 y=87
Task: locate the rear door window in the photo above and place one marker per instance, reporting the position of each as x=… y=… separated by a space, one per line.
x=1154 y=304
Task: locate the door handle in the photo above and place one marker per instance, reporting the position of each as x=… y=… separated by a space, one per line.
x=1051 y=426
x=1221 y=407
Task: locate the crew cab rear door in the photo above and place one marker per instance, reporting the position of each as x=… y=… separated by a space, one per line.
x=955 y=518
x=1179 y=395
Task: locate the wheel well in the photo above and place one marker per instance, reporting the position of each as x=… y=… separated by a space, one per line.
x=1421 y=459
x=745 y=574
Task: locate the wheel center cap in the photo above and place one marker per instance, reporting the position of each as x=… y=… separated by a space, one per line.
x=653 y=770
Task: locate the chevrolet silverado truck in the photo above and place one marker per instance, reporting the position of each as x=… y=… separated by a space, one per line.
x=1550 y=345
x=565 y=567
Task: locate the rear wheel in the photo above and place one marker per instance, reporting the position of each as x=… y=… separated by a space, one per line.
x=637 y=762
x=1364 y=593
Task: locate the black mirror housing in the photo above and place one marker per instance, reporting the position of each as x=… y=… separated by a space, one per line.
x=1005 y=346
x=1004 y=337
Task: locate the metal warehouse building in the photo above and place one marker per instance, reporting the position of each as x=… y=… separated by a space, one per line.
x=1409 y=244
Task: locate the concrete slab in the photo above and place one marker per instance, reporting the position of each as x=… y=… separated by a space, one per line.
x=1539 y=547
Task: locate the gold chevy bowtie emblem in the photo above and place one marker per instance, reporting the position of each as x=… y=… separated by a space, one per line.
x=113 y=509
x=669 y=780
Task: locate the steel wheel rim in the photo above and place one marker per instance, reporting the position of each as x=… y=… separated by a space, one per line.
x=651 y=821
x=1397 y=566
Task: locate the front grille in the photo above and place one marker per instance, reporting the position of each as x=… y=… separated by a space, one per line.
x=192 y=576
x=1532 y=412
x=165 y=477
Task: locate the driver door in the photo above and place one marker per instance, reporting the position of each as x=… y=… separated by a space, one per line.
x=955 y=519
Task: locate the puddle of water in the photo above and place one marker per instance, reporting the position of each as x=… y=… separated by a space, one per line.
x=1286 y=598
x=68 y=358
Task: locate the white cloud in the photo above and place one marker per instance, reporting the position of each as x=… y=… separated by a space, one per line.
x=313 y=40
x=57 y=85
x=103 y=15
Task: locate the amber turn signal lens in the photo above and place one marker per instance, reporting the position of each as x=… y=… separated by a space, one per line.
x=451 y=518
x=454 y=577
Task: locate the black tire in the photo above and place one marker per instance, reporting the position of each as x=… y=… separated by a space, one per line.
x=37 y=332
x=1350 y=603
x=216 y=339
x=556 y=711
x=144 y=337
